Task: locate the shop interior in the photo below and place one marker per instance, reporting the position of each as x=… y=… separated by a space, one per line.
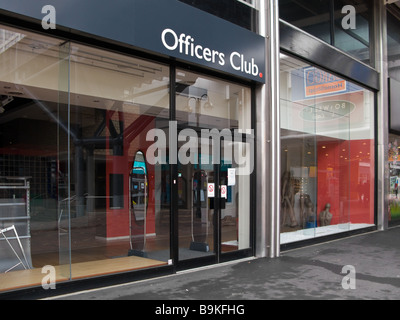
x=78 y=189
x=394 y=169
x=327 y=153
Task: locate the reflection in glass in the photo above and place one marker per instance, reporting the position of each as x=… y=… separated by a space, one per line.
x=393 y=48
x=235 y=200
x=394 y=169
x=73 y=123
x=311 y=16
x=327 y=155
x=325 y=20
x=33 y=149
x=205 y=104
x=393 y=45
x=119 y=224
x=355 y=41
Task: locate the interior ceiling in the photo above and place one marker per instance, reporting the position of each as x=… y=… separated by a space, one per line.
x=36 y=103
x=394 y=8
x=22 y=101
x=292 y=137
x=288 y=63
x=27 y=103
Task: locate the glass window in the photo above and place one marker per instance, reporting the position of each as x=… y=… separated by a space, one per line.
x=327 y=139
x=211 y=103
x=239 y=12
x=84 y=177
x=393 y=41
x=393 y=51
x=210 y=107
x=323 y=19
x=310 y=16
x=32 y=149
x=78 y=186
x=394 y=169
x=119 y=195
x=354 y=41
x=252 y=3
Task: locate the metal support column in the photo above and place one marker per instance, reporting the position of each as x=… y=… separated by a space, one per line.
x=382 y=114
x=268 y=137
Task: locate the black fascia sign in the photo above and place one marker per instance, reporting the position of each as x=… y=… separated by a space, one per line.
x=184 y=46
x=166 y=27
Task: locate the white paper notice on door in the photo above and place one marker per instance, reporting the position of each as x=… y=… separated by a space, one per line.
x=231 y=176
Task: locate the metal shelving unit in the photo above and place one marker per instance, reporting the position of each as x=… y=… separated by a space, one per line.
x=15 y=251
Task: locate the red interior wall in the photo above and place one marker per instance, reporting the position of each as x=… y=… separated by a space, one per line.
x=117 y=224
x=347 y=184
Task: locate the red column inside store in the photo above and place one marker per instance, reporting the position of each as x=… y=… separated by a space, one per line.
x=134 y=139
x=346 y=180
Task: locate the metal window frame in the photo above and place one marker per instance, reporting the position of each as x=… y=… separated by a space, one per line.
x=251 y=3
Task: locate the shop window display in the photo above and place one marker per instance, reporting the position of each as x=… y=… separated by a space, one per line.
x=77 y=139
x=73 y=126
x=393 y=45
x=327 y=155
x=394 y=169
x=116 y=101
x=32 y=154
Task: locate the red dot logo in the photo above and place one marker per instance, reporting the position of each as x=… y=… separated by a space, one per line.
x=261 y=75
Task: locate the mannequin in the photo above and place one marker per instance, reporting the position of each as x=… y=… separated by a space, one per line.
x=287 y=198
x=308 y=214
x=325 y=216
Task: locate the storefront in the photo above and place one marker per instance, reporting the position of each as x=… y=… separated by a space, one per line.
x=328 y=153
x=133 y=144
x=131 y=152
x=393 y=45
x=327 y=121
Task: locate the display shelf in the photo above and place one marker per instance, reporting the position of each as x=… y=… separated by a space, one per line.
x=14 y=223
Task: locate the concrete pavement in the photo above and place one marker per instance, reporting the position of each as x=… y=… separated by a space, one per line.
x=314 y=272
